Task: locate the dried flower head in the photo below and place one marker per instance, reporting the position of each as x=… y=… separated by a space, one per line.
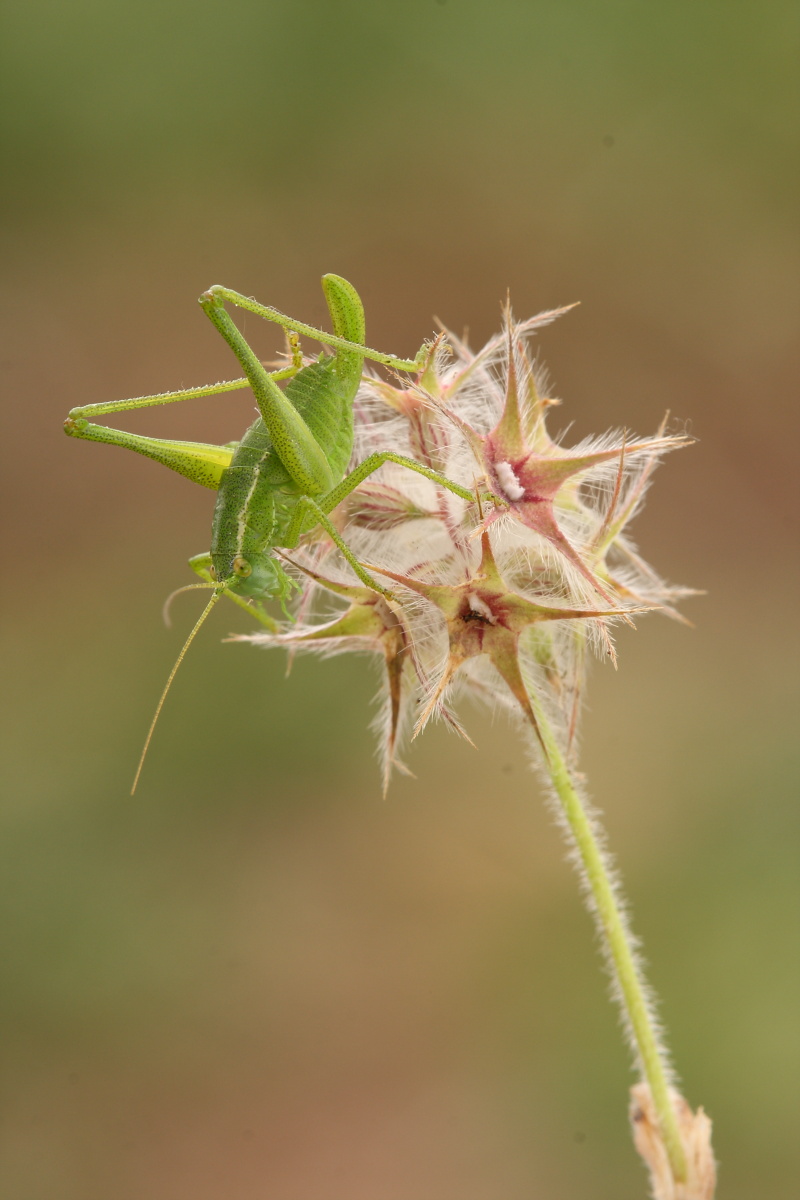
x=499 y=596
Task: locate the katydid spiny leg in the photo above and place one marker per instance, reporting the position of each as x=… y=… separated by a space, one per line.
x=209 y=389
x=307 y=506
x=357 y=476
x=374 y=461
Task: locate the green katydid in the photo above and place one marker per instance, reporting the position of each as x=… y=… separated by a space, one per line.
x=289 y=471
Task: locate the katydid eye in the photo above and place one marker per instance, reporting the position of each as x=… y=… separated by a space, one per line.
x=241 y=567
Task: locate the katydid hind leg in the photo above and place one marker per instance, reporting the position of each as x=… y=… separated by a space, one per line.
x=293 y=441
x=158 y=399
x=336 y=341
x=201 y=462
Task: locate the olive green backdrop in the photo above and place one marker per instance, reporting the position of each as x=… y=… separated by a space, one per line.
x=258 y=979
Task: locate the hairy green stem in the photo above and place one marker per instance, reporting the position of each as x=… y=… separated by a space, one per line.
x=616 y=937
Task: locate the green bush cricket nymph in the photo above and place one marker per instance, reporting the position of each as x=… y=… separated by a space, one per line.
x=289 y=471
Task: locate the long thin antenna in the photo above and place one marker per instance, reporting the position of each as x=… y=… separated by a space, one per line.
x=187 y=587
x=172 y=675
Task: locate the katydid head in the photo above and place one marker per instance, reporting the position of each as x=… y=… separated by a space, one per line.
x=259 y=577
x=254 y=578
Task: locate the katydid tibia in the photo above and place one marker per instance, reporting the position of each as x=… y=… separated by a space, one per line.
x=289 y=471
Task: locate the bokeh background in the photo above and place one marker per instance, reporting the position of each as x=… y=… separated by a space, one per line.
x=258 y=979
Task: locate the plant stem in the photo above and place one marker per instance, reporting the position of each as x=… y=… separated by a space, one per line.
x=606 y=905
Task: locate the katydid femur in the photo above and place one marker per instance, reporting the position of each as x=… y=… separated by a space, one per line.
x=289 y=470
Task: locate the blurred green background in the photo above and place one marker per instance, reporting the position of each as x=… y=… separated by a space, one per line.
x=258 y=979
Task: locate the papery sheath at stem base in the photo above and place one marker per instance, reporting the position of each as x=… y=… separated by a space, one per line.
x=695 y=1132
